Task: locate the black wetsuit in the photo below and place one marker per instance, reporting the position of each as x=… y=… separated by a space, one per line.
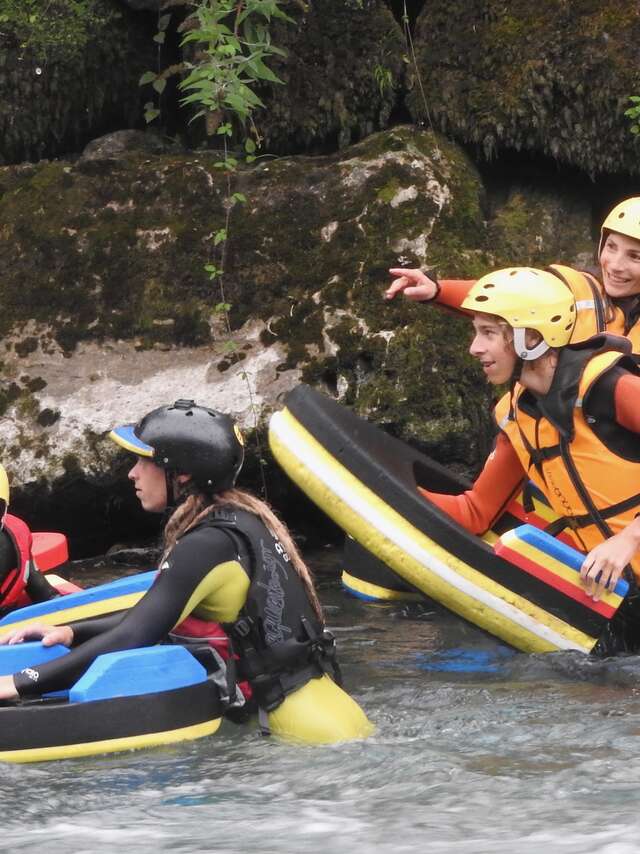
x=230 y=570
x=8 y=555
x=207 y=574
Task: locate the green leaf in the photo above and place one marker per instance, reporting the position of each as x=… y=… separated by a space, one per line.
x=159 y=38
x=249 y=145
x=220 y=237
x=223 y=307
x=163 y=22
x=239 y=197
x=160 y=85
x=151 y=114
x=261 y=72
x=147 y=77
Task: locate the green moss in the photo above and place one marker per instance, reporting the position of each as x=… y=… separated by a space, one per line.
x=120 y=256
x=68 y=69
x=332 y=95
x=389 y=191
x=55 y=25
x=551 y=78
x=534 y=226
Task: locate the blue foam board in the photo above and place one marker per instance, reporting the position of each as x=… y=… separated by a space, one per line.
x=131 y=672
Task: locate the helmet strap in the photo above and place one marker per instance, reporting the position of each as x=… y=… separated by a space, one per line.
x=175 y=496
x=522 y=351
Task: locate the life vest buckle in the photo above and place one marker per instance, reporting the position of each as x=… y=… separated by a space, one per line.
x=242 y=627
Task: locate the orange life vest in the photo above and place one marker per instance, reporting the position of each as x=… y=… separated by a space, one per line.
x=586 y=464
x=595 y=311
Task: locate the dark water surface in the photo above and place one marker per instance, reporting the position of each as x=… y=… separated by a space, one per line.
x=477 y=749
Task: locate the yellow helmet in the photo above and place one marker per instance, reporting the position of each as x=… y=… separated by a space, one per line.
x=4 y=491
x=527 y=299
x=624 y=218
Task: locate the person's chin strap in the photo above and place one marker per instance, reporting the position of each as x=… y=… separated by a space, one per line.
x=522 y=351
x=175 y=497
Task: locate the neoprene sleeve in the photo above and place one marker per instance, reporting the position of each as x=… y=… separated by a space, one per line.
x=192 y=560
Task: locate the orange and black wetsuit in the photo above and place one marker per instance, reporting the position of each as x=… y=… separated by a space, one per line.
x=503 y=473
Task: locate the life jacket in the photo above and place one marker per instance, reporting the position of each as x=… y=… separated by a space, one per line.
x=193 y=633
x=596 y=312
x=277 y=644
x=280 y=642
x=626 y=321
x=586 y=464
x=594 y=309
x=13 y=584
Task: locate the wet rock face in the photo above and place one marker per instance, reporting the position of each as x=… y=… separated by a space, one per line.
x=552 y=78
x=68 y=75
x=108 y=312
x=342 y=73
x=144 y=5
x=123 y=143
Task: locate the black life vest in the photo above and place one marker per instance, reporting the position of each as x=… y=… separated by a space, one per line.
x=280 y=642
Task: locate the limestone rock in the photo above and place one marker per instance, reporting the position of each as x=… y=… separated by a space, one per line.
x=122 y=143
x=108 y=310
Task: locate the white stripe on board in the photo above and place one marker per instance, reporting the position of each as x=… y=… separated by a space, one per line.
x=303 y=451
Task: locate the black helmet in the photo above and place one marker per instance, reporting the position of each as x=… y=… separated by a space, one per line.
x=188 y=439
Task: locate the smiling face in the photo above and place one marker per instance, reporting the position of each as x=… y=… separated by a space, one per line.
x=620 y=263
x=150 y=484
x=492 y=348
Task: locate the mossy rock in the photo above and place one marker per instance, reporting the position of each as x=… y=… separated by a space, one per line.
x=109 y=248
x=341 y=77
x=550 y=78
x=68 y=72
x=535 y=226
x=108 y=310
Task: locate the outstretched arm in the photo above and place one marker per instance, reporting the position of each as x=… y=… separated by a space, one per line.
x=479 y=507
x=420 y=287
x=174 y=593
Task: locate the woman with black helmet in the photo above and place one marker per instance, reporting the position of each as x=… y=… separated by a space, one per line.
x=227 y=560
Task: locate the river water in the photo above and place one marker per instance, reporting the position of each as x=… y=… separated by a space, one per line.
x=477 y=749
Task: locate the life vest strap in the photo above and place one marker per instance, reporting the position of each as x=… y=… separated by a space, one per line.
x=585 y=519
x=278 y=669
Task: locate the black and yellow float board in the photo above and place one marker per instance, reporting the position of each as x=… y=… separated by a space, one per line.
x=368 y=482
x=368 y=578
x=125 y=701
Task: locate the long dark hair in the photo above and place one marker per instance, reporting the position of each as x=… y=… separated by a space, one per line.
x=195 y=506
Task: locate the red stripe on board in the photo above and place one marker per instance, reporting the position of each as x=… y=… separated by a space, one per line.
x=516 y=509
x=553 y=580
